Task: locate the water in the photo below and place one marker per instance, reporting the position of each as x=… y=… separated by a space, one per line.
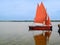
x=17 y=33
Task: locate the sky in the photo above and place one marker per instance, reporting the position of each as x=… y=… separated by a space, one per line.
x=26 y=9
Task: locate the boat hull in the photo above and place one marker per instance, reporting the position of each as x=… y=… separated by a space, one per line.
x=46 y=28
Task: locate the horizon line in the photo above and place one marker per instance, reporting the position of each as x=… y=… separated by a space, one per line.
x=24 y=21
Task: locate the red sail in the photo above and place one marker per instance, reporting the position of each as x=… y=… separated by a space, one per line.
x=40 y=14
x=47 y=21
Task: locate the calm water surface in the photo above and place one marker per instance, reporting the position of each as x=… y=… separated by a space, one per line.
x=17 y=33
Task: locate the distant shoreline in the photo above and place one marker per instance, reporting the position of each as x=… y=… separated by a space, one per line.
x=24 y=21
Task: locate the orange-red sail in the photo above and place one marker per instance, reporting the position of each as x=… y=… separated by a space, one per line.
x=41 y=15
x=47 y=21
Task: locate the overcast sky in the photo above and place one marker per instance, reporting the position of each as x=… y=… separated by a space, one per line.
x=26 y=9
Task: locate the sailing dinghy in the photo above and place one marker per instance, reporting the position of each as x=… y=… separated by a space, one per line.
x=41 y=18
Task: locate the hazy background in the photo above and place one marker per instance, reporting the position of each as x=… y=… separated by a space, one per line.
x=26 y=9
